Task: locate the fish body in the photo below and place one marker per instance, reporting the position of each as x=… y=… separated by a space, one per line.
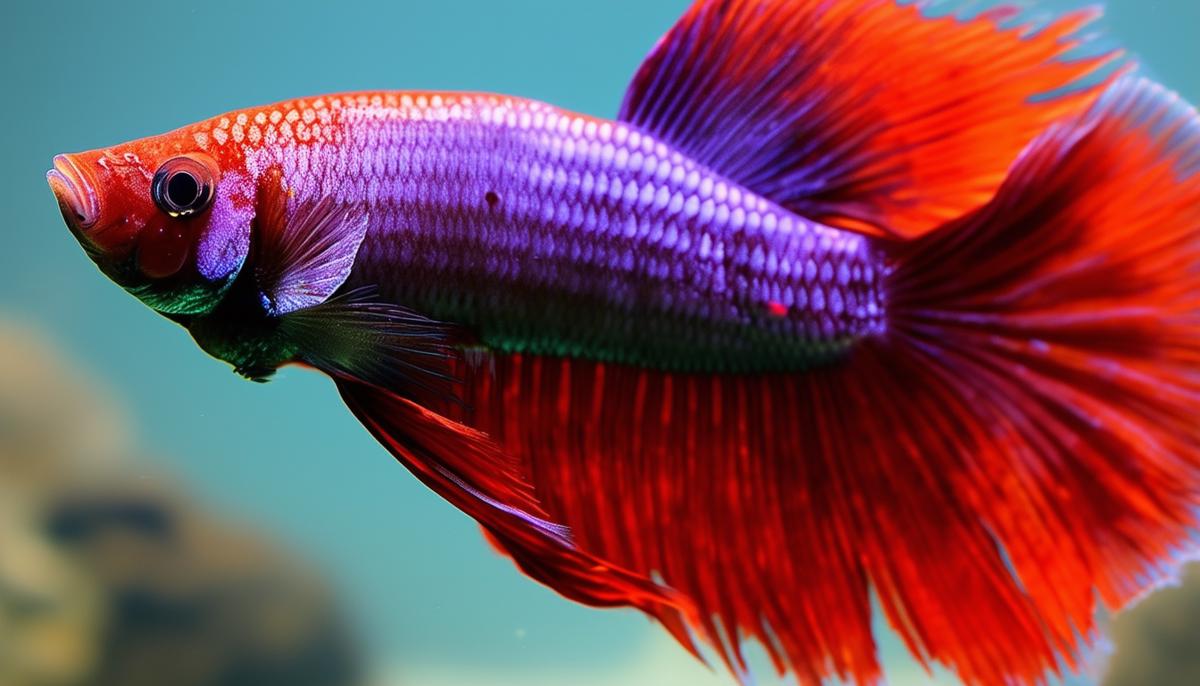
x=783 y=335
x=492 y=199
x=482 y=201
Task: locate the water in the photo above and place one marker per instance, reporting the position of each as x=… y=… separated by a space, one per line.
x=438 y=608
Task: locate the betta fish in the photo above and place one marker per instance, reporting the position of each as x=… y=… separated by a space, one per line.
x=850 y=307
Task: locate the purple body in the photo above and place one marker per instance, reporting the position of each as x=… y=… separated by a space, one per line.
x=552 y=233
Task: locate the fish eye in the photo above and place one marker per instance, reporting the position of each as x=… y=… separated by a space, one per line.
x=183 y=186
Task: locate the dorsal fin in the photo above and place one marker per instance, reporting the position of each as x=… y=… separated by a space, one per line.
x=865 y=114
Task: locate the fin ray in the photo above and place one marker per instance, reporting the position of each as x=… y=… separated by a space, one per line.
x=303 y=258
x=469 y=470
x=354 y=335
x=864 y=114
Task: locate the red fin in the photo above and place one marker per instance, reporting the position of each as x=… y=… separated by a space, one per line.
x=1063 y=321
x=864 y=114
x=1024 y=437
x=466 y=468
x=773 y=503
x=696 y=479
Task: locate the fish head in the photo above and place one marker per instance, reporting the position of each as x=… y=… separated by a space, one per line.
x=165 y=219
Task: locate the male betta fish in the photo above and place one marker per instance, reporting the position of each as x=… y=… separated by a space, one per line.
x=848 y=302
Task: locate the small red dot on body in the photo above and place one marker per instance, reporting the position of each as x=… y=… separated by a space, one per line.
x=777 y=309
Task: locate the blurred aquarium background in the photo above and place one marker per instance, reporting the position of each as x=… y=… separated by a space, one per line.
x=163 y=521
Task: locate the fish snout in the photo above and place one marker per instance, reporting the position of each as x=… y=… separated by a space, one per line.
x=75 y=191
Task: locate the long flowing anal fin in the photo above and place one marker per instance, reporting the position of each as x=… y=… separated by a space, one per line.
x=391 y=366
x=468 y=469
x=302 y=257
x=1023 y=441
x=865 y=114
x=773 y=503
x=707 y=483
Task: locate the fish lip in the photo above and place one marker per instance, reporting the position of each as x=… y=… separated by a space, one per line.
x=74 y=191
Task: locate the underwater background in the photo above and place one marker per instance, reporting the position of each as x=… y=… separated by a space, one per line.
x=159 y=513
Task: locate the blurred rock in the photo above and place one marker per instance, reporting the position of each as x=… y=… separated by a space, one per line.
x=55 y=422
x=1157 y=642
x=111 y=576
x=195 y=598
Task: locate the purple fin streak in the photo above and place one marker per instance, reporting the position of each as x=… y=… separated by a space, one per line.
x=802 y=102
x=303 y=256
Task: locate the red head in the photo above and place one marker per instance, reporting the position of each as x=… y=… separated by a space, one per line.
x=160 y=216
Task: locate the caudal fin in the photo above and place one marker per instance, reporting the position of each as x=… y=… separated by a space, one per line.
x=1059 y=331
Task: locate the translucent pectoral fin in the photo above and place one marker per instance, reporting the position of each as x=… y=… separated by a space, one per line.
x=303 y=254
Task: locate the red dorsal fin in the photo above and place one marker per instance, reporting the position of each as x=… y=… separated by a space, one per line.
x=865 y=114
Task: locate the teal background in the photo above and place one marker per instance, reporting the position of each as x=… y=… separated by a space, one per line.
x=436 y=606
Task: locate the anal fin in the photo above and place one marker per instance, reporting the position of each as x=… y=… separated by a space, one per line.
x=473 y=473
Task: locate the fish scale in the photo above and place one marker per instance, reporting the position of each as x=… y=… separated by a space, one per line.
x=478 y=203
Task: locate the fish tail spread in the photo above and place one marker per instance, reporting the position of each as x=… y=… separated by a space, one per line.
x=1021 y=438
x=1035 y=402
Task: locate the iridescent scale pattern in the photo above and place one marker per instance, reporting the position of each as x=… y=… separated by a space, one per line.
x=552 y=233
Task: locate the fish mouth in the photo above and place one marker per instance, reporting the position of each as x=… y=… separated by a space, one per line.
x=74 y=191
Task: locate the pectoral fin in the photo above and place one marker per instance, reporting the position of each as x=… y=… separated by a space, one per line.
x=303 y=253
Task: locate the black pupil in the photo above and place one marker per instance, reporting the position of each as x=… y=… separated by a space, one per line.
x=182 y=189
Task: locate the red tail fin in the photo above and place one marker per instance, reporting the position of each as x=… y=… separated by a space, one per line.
x=1059 y=331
